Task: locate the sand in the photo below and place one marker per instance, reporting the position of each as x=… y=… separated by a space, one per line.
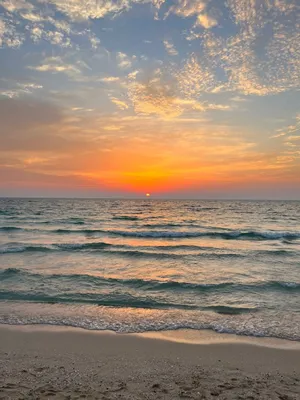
x=44 y=363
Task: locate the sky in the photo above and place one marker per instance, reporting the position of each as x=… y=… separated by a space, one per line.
x=176 y=98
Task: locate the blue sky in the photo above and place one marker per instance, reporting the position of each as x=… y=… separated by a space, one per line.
x=180 y=98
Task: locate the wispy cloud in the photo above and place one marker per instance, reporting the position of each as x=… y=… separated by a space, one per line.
x=113 y=127
x=110 y=79
x=119 y=103
x=56 y=65
x=239 y=99
x=289 y=130
x=170 y=48
x=123 y=60
x=18 y=89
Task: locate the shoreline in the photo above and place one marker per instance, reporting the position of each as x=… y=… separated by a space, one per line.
x=39 y=362
x=184 y=336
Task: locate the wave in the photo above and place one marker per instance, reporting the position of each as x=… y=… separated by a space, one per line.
x=153 y=285
x=168 y=225
x=9 y=228
x=23 y=248
x=113 y=300
x=117 y=300
x=289 y=285
x=82 y=246
x=206 y=208
x=250 y=235
x=9 y=212
x=168 y=252
x=161 y=234
x=259 y=328
x=227 y=310
x=101 y=247
x=142 y=254
x=126 y=218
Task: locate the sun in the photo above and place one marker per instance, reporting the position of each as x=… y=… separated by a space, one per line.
x=148 y=194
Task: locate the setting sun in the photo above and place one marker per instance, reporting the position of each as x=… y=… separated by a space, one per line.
x=148 y=195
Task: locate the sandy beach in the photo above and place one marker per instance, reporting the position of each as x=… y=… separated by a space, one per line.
x=66 y=363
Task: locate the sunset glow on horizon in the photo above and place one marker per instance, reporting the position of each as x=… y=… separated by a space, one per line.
x=150 y=98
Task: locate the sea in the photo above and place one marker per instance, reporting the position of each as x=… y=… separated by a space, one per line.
x=152 y=265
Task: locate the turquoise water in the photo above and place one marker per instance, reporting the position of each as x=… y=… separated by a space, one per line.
x=144 y=265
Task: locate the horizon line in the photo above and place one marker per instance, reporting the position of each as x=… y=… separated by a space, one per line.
x=141 y=198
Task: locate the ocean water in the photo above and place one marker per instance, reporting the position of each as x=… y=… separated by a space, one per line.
x=149 y=265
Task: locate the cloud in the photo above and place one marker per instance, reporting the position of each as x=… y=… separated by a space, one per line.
x=34 y=20
x=294 y=137
x=153 y=97
x=93 y=9
x=36 y=33
x=159 y=95
x=170 y=48
x=238 y=57
x=290 y=139
x=57 y=65
x=119 y=103
x=33 y=17
x=253 y=15
x=9 y=37
x=19 y=89
x=275 y=73
x=200 y=106
x=9 y=93
x=60 y=24
x=113 y=127
x=263 y=56
x=74 y=10
x=95 y=41
x=123 y=60
x=187 y=8
x=196 y=77
x=16 y=5
x=206 y=21
x=81 y=109
x=57 y=38
x=2 y=31
x=54 y=68
x=289 y=130
x=109 y=79
x=157 y=3
x=239 y=99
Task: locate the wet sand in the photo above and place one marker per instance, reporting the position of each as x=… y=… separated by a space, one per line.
x=67 y=363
